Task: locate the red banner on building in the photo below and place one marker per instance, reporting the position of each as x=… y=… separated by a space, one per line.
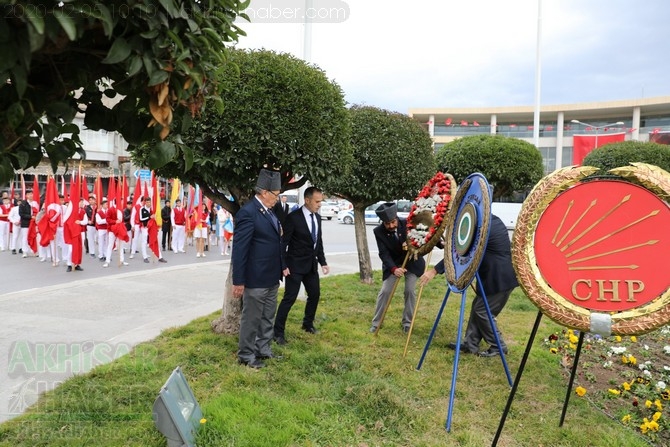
x=583 y=144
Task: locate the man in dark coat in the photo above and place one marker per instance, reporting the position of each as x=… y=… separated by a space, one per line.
x=498 y=280
x=257 y=269
x=391 y=237
x=302 y=248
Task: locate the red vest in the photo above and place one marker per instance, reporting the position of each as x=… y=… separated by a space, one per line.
x=179 y=216
x=80 y=218
x=137 y=214
x=112 y=215
x=5 y=210
x=103 y=215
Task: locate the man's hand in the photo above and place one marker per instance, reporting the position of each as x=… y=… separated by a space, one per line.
x=399 y=272
x=325 y=269
x=286 y=272
x=426 y=277
x=238 y=291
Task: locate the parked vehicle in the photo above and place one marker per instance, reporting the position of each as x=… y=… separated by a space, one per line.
x=371 y=218
x=329 y=210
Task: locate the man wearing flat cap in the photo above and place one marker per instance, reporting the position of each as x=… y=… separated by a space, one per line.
x=391 y=237
x=257 y=269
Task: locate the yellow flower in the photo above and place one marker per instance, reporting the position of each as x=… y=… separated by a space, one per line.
x=553 y=350
x=656 y=416
x=580 y=391
x=632 y=360
x=653 y=425
x=647 y=404
x=573 y=339
x=624 y=359
x=626 y=419
x=659 y=405
x=203 y=420
x=633 y=339
x=626 y=386
x=613 y=391
x=617 y=338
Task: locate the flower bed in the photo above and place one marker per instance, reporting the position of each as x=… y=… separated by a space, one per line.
x=625 y=377
x=426 y=221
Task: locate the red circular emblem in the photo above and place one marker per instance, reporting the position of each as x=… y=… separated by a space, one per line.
x=603 y=245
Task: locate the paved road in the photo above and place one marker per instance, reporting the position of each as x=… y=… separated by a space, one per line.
x=56 y=324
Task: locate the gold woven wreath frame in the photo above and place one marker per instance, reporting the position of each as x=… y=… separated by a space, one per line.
x=428 y=246
x=631 y=322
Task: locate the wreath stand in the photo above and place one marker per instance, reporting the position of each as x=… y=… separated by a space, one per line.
x=459 y=336
x=467 y=235
x=522 y=366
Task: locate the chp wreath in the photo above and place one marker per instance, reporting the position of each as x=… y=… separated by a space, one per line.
x=427 y=217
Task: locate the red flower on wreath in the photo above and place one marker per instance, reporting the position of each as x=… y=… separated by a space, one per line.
x=429 y=209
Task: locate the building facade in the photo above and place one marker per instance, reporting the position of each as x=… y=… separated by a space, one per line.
x=640 y=117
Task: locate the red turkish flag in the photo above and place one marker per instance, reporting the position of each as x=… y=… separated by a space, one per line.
x=475 y=123
x=464 y=123
x=583 y=144
x=447 y=121
x=72 y=229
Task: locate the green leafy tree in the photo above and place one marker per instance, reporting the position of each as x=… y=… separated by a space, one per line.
x=393 y=159
x=154 y=61
x=509 y=164
x=615 y=155
x=280 y=113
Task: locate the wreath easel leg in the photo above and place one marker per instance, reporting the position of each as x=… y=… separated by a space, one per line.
x=388 y=302
x=416 y=308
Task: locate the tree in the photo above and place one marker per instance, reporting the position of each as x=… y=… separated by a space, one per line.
x=393 y=159
x=280 y=113
x=615 y=155
x=157 y=60
x=509 y=164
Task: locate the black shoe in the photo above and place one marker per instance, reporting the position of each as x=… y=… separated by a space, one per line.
x=405 y=330
x=101 y=259
x=78 y=268
x=162 y=260
x=13 y=252
x=255 y=363
x=69 y=268
x=310 y=329
x=464 y=350
x=491 y=352
x=146 y=260
x=271 y=356
x=20 y=251
x=280 y=340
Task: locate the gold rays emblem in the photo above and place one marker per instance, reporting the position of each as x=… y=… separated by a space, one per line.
x=576 y=239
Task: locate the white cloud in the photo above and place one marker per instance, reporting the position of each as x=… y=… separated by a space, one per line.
x=441 y=53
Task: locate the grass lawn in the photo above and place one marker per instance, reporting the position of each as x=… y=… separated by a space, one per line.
x=341 y=387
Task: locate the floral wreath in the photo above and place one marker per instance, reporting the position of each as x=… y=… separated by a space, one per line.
x=426 y=221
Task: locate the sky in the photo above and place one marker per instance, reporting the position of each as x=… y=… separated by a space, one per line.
x=398 y=55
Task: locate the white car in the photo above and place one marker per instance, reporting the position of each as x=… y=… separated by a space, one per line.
x=329 y=210
x=347 y=216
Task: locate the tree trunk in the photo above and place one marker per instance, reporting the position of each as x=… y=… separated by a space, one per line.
x=364 y=262
x=229 y=321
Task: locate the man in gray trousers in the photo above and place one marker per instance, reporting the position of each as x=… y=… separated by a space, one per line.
x=257 y=269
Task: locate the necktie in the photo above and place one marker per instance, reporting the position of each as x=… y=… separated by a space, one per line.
x=274 y=219
x=313 y=228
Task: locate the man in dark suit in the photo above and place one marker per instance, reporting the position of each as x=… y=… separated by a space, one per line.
x=391 y=237
x=302 y=248
x=282 y=209
x=498 y=280
x=257 y=269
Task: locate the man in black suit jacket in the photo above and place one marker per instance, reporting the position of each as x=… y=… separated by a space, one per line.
x=391 y=237
x=498 y=280
x=282 y=209
x=302 y=247
x=257 y=269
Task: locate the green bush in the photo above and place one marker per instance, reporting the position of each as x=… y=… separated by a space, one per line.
x=615 y=155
